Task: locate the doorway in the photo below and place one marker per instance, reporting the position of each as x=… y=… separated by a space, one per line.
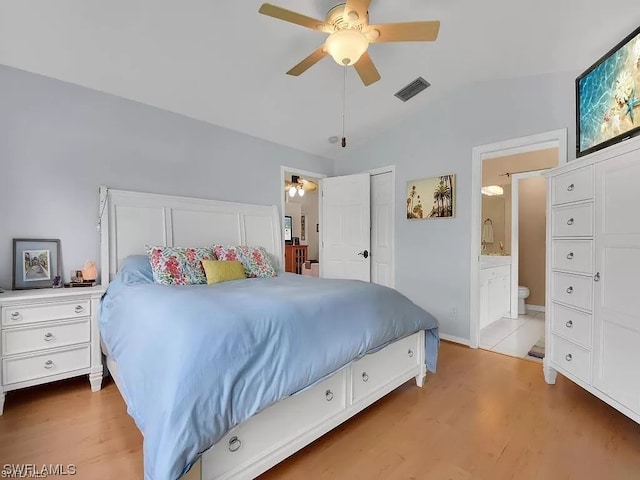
x=493 y=167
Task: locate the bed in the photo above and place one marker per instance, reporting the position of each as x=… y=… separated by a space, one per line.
x=226 y=381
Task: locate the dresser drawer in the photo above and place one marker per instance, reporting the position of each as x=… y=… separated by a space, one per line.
x=262 y=434
x=571 y=324
x=44 y=364
x=572 y=221
x=40 y=337
x=573 y=256
x=23 y=314
x=572 y=358
x=572 y=290
x=375 y=370
x=572 y=186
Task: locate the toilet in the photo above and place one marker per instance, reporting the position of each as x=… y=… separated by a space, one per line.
x=523 y=293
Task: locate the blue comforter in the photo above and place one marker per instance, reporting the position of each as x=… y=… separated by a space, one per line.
x=194 y=361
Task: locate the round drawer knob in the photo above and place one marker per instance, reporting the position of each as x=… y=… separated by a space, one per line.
x=234 y=444
x=49 y=364
x=571 y=187
x=365 y=377
x=570 y=221
x=79 y=309
x=570 y=290
x=570 y=256
x=48 y=337
x=410 y=353
x=568 y=357
x=328 y=395
x=569 y=324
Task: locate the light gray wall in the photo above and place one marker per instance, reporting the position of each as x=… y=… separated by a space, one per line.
x=433 y=256
x=59 y=142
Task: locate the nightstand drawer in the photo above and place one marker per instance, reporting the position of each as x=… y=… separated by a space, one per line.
x=24 y=368
x=23 y=314
x=40 y=337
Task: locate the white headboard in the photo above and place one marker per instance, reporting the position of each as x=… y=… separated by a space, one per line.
x=131 y=220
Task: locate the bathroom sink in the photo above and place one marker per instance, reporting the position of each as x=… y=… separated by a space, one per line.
x=494 y=260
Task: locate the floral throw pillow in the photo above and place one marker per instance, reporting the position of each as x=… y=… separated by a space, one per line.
x=179 y=265
x=255 y=260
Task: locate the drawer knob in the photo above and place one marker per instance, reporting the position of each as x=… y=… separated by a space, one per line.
x=365 y=377
x=571 y=187
x=570 y=290
x=596 y=277
x=16 y=316
x=410 y=353
x=328 y=395
x=48 y=337
x=79 y=309
x=234 y=444
x=49 y=364
x=569 y=324
x=570 y=256
x=568 y=357
x=570 y=221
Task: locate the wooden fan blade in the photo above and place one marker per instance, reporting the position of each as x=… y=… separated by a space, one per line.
x=367 y=70
x=404 y=32
x=361 y=7
x=308 y=62
x=292 y=17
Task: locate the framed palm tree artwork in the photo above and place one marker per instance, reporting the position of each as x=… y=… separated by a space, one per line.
x=432 y=197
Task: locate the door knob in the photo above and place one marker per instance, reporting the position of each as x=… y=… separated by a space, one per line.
x=365 y=254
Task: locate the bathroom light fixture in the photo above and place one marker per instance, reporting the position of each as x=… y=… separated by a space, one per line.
x=492 y=190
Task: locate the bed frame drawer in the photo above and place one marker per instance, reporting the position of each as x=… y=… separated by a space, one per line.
x=286 y=420
x=375 y=370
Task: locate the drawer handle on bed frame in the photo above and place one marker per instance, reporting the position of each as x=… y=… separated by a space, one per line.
x=16 y=316
x=569 y=289
x=79 y=309
x=328 y=395
x=569 y=324
x=48 y=337
x=570 y=256
x=568 y=357
x=570 y=221
x=234 y=444
x=571 y=187
x=365 y=377
x=49 y=364
x=410 y=353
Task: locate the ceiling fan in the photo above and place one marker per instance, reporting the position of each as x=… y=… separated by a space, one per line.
x=299 y=185
x=350 y=35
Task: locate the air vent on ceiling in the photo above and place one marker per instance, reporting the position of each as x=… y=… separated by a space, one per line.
x=414 y=88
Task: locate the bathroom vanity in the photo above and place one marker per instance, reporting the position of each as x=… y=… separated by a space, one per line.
x=495 y=288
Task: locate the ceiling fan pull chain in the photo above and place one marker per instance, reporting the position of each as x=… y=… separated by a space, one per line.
x=344 y=102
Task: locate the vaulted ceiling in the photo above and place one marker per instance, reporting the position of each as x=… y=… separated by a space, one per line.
x=223 y=63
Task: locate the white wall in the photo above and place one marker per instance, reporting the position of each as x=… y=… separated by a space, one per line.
x=433 y=256
x=59 y=142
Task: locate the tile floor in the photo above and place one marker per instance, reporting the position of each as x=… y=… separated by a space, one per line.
x=513 y=337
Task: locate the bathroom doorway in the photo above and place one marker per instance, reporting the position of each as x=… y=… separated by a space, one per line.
x=498 y=320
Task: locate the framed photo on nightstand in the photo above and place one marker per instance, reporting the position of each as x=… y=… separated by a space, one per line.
x=36 y=263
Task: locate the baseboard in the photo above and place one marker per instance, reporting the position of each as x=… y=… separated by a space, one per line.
x=451 y=338
x=536 y=308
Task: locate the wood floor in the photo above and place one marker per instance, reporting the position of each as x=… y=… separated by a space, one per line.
x=482 y=416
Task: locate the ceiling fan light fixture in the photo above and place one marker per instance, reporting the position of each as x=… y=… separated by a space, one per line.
x=301 y=191
x=347 y=46
x=292 y=192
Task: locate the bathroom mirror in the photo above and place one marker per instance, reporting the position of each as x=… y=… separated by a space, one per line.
x=495 y=236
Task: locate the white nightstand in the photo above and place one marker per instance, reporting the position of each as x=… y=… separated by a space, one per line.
x=48 y=335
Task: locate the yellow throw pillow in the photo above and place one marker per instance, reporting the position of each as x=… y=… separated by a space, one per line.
x=222 y=271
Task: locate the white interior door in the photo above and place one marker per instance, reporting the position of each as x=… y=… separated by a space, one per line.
x=346 y=227
x=382 y=229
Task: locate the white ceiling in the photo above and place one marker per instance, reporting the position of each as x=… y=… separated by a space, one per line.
x=224 y=63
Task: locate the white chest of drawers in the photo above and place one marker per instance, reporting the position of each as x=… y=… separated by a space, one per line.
x=48 y=335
